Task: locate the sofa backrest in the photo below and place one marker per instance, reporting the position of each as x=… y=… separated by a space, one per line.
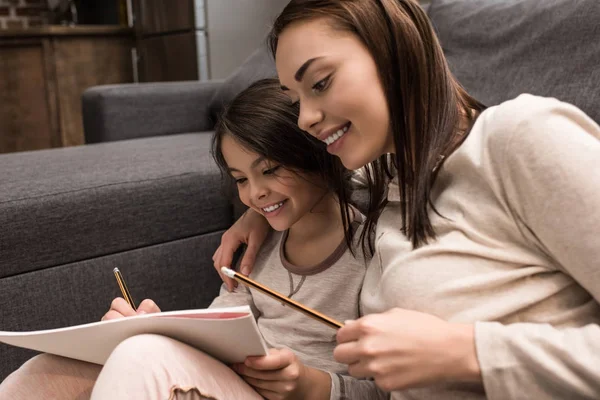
x=500 y=49
x=259 y=65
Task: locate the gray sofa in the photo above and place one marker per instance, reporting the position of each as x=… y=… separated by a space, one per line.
x=145 y=196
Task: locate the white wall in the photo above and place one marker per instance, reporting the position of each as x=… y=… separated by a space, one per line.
x=235 y=28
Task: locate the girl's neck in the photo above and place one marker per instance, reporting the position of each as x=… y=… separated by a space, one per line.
x=324 y=218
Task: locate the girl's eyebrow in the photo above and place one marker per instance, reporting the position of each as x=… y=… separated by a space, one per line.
x=252 y=166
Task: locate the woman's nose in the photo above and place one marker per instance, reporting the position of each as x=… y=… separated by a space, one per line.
x=310 y=115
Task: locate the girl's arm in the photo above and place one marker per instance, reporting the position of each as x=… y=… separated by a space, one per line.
x=240 y=296
x=250 y=229
x=551 y=174
x=281 y=375
x=345 y=386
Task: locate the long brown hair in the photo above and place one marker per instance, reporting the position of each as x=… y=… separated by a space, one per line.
x=426 y=103
x=262 y=119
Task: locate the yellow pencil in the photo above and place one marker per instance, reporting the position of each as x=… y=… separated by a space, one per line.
x=285 y=300
x=124 y=290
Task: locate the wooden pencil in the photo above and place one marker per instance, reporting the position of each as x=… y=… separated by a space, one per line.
x=124 y=289
x=283 y=299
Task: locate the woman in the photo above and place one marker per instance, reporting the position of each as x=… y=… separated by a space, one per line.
x=485 y=278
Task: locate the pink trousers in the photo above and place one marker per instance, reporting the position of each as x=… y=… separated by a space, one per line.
x=148 y=367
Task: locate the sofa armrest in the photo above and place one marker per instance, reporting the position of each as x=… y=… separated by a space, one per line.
x=129 y=111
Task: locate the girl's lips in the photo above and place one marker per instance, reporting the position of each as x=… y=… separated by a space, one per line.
x=271 y=214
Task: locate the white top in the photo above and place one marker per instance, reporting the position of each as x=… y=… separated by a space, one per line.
x=332 y=287
x=520 y=247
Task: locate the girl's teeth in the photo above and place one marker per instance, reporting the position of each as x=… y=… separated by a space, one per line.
x=273 y=207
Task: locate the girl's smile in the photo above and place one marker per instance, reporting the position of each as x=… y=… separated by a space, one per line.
x=272 y=210
x=284 y=197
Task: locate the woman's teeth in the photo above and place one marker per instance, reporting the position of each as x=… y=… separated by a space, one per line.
x=273 y=207
x=340 y=132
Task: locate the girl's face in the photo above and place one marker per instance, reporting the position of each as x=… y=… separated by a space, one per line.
x=333 y=76
x=282 y=196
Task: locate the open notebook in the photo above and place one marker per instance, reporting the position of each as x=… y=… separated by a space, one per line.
x=228 y=334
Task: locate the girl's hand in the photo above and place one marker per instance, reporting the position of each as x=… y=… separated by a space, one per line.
x=402 y=349
x=280 y=375
x=250 y=229
x=119 y=308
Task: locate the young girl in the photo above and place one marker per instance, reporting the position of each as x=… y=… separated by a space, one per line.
x=297 y=188
x=485 y=279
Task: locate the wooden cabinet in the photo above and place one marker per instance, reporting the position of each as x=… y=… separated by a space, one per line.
x=43 y=73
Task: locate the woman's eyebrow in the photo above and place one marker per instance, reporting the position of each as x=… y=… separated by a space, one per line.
x=301 y=71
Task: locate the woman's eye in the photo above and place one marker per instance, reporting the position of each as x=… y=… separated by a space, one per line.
x=270 y=171
x=239 y=181
x=320 y=86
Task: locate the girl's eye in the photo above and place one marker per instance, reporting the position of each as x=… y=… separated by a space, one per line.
x=322 y=85
x=271 y=171
x=239 y=181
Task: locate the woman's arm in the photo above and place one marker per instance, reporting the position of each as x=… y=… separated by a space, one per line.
x=551 y=174
x=250 y=229
x=549 y=167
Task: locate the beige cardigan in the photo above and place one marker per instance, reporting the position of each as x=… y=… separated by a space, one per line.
x=518 y=255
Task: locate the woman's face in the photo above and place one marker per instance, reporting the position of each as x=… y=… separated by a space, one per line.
x=333 y=76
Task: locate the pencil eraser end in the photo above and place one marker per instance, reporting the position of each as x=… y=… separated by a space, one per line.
x=227 y=272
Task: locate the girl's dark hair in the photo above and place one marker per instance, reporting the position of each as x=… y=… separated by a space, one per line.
x=426 y=103
x=263 y=120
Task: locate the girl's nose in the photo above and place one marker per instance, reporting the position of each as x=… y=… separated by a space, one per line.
x=259 y=192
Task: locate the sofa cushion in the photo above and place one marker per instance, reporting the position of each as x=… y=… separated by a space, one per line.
x=64 y=205
x=259 y=65
x=499 y=49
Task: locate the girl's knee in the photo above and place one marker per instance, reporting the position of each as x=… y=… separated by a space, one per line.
x=50 y=364
x=48 y=376
x=141 y=349
x=145 y=343
x=41 y=362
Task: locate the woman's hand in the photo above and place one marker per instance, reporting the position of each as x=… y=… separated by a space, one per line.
x=280 y=375
x=402 y=349
x=119 y=308
x=250 y=229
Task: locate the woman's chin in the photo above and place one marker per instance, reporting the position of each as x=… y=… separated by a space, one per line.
x=353 y=161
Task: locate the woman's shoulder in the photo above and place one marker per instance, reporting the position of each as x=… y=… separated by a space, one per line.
x=530 y=120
